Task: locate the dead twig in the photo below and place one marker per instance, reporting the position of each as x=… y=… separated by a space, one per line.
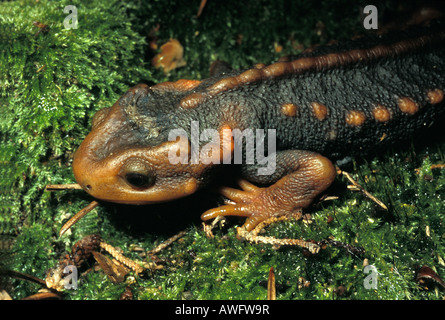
x=68 y=186
x=271 y=288
x=77 y=217
x=358 y=187
x=167 y=242
x=253 y=236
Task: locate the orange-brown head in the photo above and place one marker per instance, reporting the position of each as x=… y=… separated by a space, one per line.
x=125 y=158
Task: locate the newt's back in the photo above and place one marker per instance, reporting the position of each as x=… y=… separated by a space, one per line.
x=336 y=100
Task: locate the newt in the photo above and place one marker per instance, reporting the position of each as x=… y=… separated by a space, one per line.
x=326 y=104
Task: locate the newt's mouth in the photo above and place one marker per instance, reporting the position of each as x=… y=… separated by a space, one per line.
x=129 y=177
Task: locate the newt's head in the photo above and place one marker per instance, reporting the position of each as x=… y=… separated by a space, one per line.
x=125 y=158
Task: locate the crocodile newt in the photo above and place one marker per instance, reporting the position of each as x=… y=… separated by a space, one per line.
x=335 y=101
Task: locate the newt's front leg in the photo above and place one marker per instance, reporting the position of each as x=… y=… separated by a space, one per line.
x=299 y=177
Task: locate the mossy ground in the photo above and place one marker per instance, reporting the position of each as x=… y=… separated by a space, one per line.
x=53 y=82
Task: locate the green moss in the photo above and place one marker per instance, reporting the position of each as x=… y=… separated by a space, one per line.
x=52 y=84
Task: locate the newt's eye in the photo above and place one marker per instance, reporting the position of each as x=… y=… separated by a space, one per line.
x=137 y=173
x=138 y=180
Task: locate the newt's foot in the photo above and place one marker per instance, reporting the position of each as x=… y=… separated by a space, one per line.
x=308 y=174
x=255 y=203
